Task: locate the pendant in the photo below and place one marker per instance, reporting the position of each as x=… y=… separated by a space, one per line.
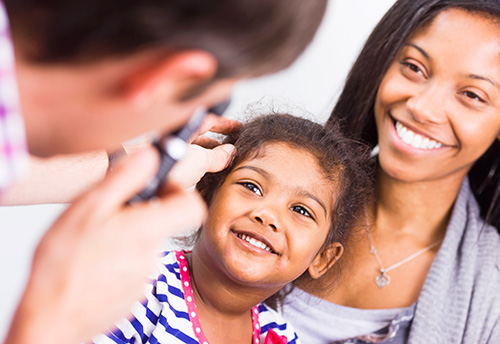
x=382 y=280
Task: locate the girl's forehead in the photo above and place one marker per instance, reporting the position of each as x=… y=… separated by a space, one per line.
x=271 y=152
x=290 y=165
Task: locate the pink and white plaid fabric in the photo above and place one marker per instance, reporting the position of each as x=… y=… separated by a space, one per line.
x=13 y=148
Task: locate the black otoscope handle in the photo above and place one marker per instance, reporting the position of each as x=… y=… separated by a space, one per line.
x=173 y=148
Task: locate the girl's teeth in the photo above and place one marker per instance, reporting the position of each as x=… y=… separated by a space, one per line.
x=254 y=242
x=415 y=140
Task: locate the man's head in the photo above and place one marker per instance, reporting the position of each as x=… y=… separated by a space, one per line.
x=94 y=73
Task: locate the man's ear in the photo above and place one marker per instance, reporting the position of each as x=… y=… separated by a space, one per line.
x=170 y=77
x=325 y=259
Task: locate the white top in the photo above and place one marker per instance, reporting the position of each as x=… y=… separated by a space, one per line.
x=343 y=322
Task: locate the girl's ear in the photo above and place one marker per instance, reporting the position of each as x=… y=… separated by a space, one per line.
x=325 y=259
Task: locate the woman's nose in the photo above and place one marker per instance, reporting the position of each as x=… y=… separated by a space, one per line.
x=427 y=105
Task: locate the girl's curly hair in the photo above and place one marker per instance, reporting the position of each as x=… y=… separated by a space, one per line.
x=344 y=161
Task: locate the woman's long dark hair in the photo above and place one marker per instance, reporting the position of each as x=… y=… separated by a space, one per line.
x=354 y=109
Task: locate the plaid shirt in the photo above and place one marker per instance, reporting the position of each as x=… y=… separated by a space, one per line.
x=13 y=148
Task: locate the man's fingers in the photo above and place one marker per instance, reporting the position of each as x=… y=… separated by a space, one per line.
x=199 y=161
x=219 y=157
x=206 y=142
x=216 y=124
x=128 y=178
x=172 y=213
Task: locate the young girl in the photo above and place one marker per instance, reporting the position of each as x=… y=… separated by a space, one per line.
x=282 y=209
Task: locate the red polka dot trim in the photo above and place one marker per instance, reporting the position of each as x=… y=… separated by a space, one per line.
x=193 y=314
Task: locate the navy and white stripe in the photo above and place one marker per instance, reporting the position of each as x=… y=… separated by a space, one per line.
x=164 y=318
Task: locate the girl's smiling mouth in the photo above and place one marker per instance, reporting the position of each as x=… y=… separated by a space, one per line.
x=415 y=140
x=256 y=242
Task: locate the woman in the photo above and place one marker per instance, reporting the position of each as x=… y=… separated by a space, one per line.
x=425 y=267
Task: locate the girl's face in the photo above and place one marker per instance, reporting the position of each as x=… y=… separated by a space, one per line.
x=438 y=106
x=270 y=217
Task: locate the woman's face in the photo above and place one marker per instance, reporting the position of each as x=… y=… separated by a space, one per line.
x=437 y=109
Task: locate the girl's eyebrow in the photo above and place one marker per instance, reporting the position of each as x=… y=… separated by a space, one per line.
x=256 y=169
x=299 y=191
x=307 y=194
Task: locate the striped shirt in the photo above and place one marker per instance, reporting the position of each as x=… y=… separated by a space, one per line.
x=13 y=148
x=169 y=313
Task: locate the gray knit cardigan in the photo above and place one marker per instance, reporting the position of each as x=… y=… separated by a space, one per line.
x=460 y=300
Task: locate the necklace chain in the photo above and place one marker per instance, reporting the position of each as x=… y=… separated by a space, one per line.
x=383 y=279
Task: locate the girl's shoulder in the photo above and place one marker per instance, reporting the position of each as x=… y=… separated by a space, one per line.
x=174 y=260
x=173 y=265
x=272 y=321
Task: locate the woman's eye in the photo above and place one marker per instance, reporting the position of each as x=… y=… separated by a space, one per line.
x=474 y=96
x=252 y=187
x=413 y=67
x=301 y=211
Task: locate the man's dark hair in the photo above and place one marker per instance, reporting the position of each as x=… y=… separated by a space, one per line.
x=247 y=37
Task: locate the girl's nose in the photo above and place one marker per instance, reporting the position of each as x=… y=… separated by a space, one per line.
x=266 y=222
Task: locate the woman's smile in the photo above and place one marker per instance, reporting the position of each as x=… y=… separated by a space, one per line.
x=437 y=106
x=415 y=140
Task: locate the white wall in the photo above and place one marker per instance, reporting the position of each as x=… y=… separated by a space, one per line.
x=309 y=87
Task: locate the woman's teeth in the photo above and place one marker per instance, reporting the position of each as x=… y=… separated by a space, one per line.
x=254 y=242
x=415 y=140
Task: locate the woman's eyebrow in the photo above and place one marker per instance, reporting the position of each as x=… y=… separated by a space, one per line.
x=422 y=51
x=471 y=76
x=484 y=78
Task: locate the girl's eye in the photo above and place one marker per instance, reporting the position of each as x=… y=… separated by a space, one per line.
x=252 y=187
x=474 y=96
x=301 y=211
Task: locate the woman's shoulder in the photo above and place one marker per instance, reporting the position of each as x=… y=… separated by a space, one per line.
x=482 y=237
x=489 y=246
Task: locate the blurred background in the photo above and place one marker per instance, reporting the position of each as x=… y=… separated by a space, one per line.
x=308 y=88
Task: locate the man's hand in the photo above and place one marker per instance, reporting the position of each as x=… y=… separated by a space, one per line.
x=206 y=154
x=93 y=263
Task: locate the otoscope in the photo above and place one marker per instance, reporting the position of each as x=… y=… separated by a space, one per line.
x=172 y=148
